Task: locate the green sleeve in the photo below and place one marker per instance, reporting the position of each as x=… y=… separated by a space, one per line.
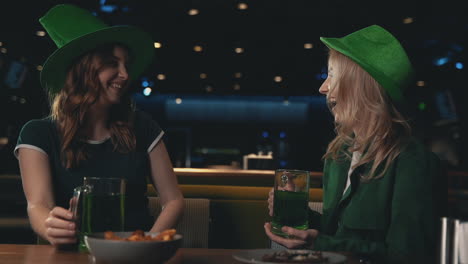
x=413 y=220
x=410 y=235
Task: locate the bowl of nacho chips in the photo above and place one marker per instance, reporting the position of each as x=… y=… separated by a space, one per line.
x=133 y=247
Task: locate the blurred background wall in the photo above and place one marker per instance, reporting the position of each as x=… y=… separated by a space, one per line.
x=233 y=77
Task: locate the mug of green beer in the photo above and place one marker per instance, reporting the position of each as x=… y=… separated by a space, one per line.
x=291 y=200
x=98 y=206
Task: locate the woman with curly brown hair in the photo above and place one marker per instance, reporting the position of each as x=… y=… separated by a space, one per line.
x=94 y=129
x=378 y=180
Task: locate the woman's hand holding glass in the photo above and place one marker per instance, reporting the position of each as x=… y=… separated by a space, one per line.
x=301 y=238
x=60 y=227
x=298 y=238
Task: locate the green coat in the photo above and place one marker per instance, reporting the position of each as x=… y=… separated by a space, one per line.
x=392 y=218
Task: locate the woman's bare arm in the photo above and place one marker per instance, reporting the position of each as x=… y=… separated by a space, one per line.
x=165 y=182
x=47 y=220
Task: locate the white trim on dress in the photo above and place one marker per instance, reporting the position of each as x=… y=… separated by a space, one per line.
x=97 y=142
x=155 y=142
x=15 y=152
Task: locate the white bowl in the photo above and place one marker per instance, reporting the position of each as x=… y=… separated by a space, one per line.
x=116 y=251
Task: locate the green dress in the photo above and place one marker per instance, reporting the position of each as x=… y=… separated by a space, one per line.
x=42 y=135
x=391 y=219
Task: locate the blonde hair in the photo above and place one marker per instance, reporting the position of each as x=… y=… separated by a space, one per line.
x=366 y=120
x=71 y=105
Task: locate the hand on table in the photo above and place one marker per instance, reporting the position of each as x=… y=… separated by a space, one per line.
x=302 y=238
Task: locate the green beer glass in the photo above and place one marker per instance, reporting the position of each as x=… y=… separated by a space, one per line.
x=291 y=200
x=98 y=206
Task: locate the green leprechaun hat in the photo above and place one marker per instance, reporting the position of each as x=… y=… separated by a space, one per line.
x=76 y=31
x=379 y=53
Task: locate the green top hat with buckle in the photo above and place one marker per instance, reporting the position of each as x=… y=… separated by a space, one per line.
x=76 y=31
x=379 y=53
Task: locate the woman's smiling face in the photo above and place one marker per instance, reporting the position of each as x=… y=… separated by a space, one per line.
x=114 y=77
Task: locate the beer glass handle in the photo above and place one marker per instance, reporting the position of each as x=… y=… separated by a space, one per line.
x=75 y=200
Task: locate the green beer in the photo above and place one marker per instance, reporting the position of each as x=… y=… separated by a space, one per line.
x=101 y=212
x=98 y=206
x=291 y=200
x=290 y=209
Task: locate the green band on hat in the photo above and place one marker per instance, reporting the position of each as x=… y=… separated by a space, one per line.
x=76 y=31
x=380 y=54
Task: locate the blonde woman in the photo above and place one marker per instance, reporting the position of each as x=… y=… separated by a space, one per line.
x=378 y=180
x=93 y=129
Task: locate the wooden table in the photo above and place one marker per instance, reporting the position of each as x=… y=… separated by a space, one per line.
x=46 y=254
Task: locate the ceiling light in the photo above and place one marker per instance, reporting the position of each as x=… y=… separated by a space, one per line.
x=308 y=45
x=408 y=20
x=242 y=6
x=3 y=141
x=193 y=12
